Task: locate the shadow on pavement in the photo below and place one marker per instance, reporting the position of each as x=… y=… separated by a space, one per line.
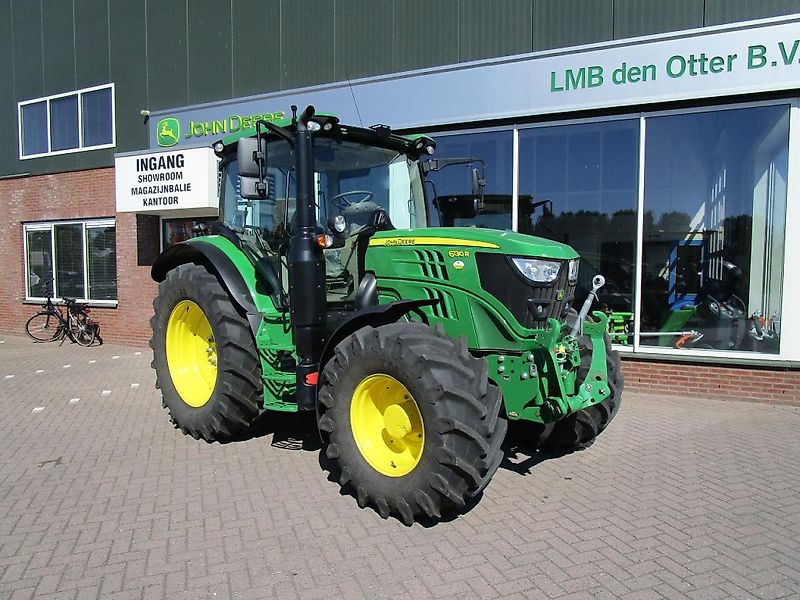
x=289 y=431
x=520 y=450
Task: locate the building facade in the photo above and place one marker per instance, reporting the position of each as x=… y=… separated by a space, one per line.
x=657 y=138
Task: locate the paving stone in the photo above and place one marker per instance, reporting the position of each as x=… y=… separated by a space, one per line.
x=103 y=498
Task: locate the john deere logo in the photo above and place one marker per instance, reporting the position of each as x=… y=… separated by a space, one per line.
x=168 y=132
x=559 y=295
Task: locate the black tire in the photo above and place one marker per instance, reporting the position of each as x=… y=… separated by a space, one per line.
x=458 y=406
x=83 y=330
x=43 y=327
x=579 y=430
x=236 y=397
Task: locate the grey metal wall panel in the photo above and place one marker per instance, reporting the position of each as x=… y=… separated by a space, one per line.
x=425 y=33
x=167 y=61
x=494 y=28
x=718 y=12
x=307 y=47
x=91 y=42
x=560 y=23
x=28 y=71
x=8 y=104
x=363 y=38
x=209 y=50
x=642 y=17
x=256 y=46
x=58 y=43
x=129 y=72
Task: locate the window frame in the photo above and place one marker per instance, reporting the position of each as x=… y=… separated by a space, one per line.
x=47 y=100
x=50 y=226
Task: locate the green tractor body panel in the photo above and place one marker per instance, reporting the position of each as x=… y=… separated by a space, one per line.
x=243 y=265
x=535 y=367
x=273 y=339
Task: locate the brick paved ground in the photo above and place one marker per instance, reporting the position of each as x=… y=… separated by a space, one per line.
x=100 y=497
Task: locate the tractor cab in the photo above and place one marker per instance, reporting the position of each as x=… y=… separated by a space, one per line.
x=364 y=180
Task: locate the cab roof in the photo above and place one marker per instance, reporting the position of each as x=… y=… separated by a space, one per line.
x=377 y=135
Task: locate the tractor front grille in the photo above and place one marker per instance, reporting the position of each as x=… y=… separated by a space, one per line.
x=532 y=304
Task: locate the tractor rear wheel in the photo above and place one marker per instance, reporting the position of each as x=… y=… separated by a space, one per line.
x=204 y=356
x=409 y=419
x=580 y=429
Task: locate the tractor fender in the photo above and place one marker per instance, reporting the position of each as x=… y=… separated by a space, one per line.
x=373 y=316
x=210 y=255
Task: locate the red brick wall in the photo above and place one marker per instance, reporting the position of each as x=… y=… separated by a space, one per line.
x=77 y=195
x=755 y=384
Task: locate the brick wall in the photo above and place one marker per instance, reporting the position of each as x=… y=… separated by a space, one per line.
x=77 y=195
x=755 y=384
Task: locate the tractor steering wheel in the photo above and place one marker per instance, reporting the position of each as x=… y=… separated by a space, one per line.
x=343 y=202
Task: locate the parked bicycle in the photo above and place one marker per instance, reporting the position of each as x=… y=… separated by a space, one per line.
x=53 y=324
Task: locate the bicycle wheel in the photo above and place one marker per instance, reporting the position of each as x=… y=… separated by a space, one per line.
x=43 y=327
x=83 y=330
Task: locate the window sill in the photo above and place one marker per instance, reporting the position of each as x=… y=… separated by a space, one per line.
x=90 y=303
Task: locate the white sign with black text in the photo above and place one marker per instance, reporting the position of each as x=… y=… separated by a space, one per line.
x=163 y=182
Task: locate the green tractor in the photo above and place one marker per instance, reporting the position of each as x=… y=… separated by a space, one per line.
x=323 y=288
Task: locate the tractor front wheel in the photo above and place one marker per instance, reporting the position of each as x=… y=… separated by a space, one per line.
x=410 y=420
x=204 y=356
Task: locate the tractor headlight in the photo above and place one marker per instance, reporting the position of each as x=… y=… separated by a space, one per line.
x=540 y=271
x=573 y=269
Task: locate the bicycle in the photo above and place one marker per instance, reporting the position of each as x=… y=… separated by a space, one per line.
x=51 y=323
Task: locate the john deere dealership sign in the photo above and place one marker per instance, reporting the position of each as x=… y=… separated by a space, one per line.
x=760 y=56
x=160 y=182
x=168 y=130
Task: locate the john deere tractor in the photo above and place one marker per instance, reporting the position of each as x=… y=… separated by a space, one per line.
x=323 y=288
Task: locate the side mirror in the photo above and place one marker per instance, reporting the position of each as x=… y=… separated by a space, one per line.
x=246 y=156
x=251 y=188
x=477 y=184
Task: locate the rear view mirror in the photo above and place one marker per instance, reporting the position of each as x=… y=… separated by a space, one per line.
x=246 y=157
x=250 y=188
x=477 y=183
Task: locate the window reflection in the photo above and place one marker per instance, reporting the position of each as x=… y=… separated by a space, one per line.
x=64 y=123
x=578 y=185
x=451 y=188
x=34 y=128
x=715 y=199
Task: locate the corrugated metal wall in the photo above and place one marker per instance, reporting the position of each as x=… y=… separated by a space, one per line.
x=169 y=53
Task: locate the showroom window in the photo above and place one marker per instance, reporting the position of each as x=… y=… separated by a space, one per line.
x=712 y=187
x=578 y=184
x=75 y=259
x=81 y=120
x=451 y=187
x=714 y=225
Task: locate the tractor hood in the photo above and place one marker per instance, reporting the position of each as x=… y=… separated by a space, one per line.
x=490 y=240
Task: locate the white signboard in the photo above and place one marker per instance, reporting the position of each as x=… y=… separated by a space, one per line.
x=166 y=182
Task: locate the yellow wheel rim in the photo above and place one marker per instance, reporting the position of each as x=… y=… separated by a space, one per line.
x=387 y=425
x=191 y=353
